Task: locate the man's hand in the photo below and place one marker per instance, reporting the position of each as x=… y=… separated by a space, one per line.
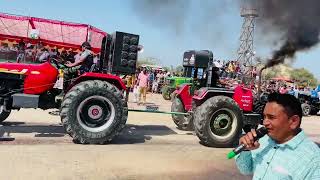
x=248 y=140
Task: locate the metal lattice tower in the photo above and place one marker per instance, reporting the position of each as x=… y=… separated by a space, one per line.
x=245 y=51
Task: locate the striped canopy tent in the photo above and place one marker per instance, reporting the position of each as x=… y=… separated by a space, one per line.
x=52 y=33
x=283 y=79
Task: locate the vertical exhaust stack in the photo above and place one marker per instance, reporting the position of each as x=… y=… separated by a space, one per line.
x=259 y=81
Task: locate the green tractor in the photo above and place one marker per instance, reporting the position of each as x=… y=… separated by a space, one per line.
x=172 y=83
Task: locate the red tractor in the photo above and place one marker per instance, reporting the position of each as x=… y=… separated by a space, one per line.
x=93 y=109
x=217 y=114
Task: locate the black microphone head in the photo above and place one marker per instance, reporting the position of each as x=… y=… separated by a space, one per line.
x=261 y=132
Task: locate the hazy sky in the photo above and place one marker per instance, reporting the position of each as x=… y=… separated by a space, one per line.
x=167 y=29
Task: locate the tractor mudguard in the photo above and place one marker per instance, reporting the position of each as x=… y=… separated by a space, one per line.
x=205 y=93
x=244 y=98
x=112 y=79
x=184 y=93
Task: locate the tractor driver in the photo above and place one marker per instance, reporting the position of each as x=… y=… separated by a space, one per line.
x=80 y=66
x=215 y=78
x=84 y=63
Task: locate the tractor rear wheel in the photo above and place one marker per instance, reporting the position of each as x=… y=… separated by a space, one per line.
x=183 y=122
x=4 y=114
x=93 y=112
x=218 y=122
x=166 y=93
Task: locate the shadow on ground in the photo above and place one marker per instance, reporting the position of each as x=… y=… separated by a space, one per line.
x=131 y=134
x=41 y=130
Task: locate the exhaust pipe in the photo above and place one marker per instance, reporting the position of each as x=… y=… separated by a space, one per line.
x=259 y=81
x=270 y=63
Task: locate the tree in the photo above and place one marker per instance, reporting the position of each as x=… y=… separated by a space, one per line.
x=148 y=61
x=303 y=77
x=179 y=69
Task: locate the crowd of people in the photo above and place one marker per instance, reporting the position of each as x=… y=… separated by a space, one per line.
x=234 y=69
x=146 y=80
x=278 y=86
x=37 y=53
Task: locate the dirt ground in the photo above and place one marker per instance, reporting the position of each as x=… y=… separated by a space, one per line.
x=150 y=147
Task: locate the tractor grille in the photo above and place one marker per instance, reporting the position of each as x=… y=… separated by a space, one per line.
x=10 y=82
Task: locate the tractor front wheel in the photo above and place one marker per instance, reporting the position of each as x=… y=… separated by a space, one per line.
x=218 y=122
x=183 y=122
x=4 y=114
x=93 y=112
x=166 y=93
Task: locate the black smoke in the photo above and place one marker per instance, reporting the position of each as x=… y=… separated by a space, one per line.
x=295 y=23
x=296 y=20
x=163 y=13
x=205 y=19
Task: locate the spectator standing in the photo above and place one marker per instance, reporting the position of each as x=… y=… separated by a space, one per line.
x=151 y=78
x=314 y=93
x=283 y=89
x=44 y=55
x=21 y=51
x=291 y=91
x=143 y=81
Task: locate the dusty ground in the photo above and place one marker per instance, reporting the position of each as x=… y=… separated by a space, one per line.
x=149 y=148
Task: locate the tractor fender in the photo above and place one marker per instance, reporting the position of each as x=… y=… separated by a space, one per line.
x=184 y=94
x=112 y=79
x=205 y=93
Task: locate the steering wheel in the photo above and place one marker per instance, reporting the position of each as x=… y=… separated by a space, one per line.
x=56 y=63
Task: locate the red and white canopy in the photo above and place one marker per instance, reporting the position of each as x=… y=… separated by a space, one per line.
x=53 y=33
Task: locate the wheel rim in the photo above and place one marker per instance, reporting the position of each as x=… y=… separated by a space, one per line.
x=306 y=109
x=95 y=113
x=223 y=123
x=167 y=95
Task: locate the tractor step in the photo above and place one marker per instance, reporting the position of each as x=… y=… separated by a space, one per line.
x=21 y=100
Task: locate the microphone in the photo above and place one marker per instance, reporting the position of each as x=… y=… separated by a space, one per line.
x=260 y=133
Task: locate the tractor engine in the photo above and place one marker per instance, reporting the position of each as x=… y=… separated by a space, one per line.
x=10 y=82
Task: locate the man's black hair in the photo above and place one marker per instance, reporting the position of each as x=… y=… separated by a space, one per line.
x=291 y=104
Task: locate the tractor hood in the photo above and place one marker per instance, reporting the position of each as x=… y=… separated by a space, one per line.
x=38 y=77
x=25 y=69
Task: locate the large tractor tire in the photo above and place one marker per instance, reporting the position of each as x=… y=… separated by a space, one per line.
x=4 y=114
x=166 y=93
x=218 y=122
x=93 y=112
x=179 y=120
x=306 y=109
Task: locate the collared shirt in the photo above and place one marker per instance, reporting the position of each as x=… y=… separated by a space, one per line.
x=299 y=158
x=143 y=79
